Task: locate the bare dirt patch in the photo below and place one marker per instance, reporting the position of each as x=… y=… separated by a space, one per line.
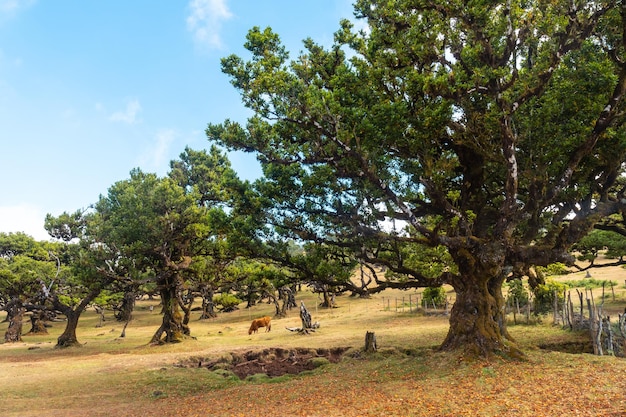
x=271 y=361
x=574 y=347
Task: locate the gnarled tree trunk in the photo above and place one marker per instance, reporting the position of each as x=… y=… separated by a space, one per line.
x=172 y=329
x=280 y=312
x=68 y=337
x=15 y=317
x=328 y=295
x=208 y=307
x=291 y=297
x=477 y=321
x=37 y=322
x=185 y=301
x=128 y=306
x=287 y=297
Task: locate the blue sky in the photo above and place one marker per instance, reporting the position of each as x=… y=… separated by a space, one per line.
x=92 y=89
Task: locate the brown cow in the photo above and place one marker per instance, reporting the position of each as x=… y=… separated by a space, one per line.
x=262 y=322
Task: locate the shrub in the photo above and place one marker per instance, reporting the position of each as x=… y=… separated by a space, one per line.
x=226 y=374
x=544 y=295
x=434 y=295
x=517 y=292
x=557 y=268
x=590 y=283
x=258 y=378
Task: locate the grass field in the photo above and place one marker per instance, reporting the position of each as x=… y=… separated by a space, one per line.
x=110 y=376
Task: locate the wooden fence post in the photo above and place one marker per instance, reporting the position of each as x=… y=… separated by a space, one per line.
x=622 y=329
x=555 y=306
x=609 y=341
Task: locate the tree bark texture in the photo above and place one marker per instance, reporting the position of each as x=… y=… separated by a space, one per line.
x=37 y=322
x=208 y=307
x=622 y=330
x=15 y=316
x=305 y=317
x=329 y=300
x=128 y=305
x=172 y=329
x=307 y=326
x=185 y=302
x=291 y=297
x=68 y=337
x=477 y=320
x=370 y=342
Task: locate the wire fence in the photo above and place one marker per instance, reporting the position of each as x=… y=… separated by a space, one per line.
x=413 y=303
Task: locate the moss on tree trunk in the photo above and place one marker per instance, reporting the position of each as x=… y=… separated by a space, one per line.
x=477 y=319
x=172 y=329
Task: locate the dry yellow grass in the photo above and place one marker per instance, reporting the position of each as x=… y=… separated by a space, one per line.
x=126 y=377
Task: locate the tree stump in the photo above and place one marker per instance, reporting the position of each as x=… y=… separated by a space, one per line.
x=370 y=342
x=305 y=317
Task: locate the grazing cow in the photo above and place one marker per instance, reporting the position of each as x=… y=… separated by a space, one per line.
x=262 y=322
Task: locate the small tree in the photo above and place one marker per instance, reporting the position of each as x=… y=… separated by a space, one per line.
x=157 y=225
x=227 y=302
x=91 y=266
x=597 y=241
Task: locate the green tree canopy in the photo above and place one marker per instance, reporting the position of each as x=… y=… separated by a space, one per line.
x=90 y=267
x=612 y=244
x=493 y=129
x=28 y=271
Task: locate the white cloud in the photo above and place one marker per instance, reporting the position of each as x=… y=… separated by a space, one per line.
x=158 y=155
x=205 y=21
x=9 y=8
x=12 y=6
x=129 y=115
x=23 y=218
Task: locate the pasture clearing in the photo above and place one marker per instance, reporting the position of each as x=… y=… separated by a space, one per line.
x=406 y=377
